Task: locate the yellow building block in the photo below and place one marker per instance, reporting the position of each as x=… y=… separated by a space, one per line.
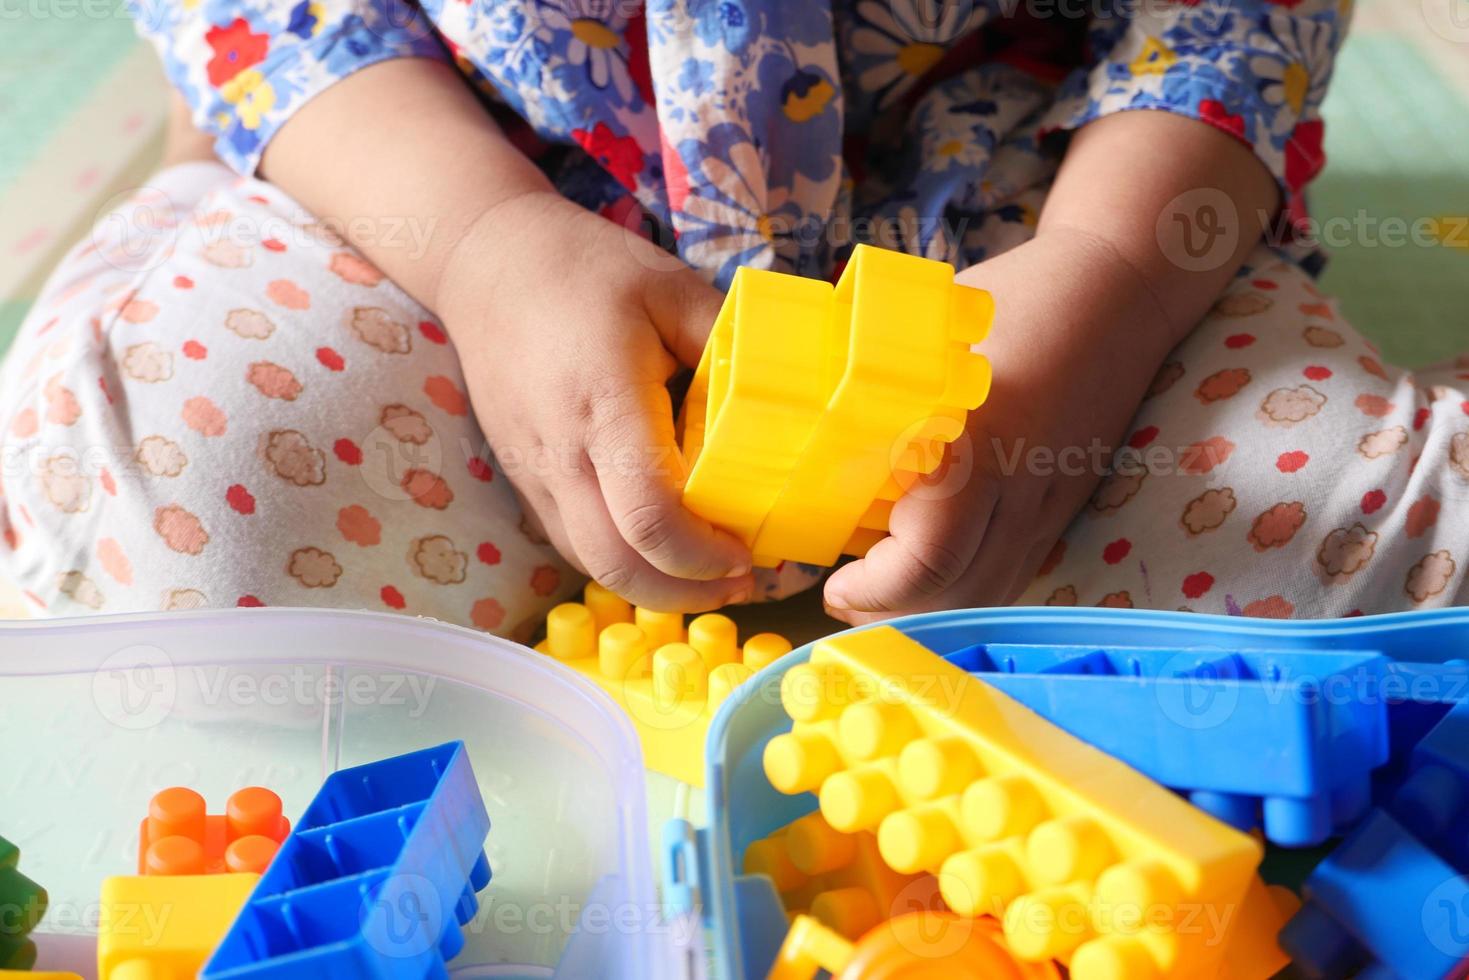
x=1252 y=951
x=669 y=679
x=36 y=975
x=815 y=407
x=838 y=879
x=1088 y=861
x=164 y=927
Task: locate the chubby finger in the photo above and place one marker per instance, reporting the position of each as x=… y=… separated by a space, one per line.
x=930 y=548
x=630 y=442
x=682 y=307
x=603 y=553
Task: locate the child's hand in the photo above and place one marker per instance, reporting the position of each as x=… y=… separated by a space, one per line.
x=1072 y=355
x=569 y=328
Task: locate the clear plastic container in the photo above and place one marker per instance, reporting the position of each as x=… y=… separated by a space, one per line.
x=98 y=714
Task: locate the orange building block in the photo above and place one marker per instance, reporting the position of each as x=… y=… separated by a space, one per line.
x=179 y=838
x=839 y=879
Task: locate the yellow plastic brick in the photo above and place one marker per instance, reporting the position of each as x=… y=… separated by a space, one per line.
x=164 y=927
x=1252 y=951
x=815 y=407
x=838 y=879
x=756 y=397
x=36 y=975
x=907 y=384
x=1087 y=861
x=670 y=679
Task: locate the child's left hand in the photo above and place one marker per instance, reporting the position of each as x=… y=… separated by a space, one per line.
x=1074 y=348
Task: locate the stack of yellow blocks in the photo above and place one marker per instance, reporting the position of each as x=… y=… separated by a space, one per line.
x=1086 y=861
x=668 y=678
x=815 y=407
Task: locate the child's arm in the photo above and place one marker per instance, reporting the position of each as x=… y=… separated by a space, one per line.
x=568 y=326
x=1085 y=313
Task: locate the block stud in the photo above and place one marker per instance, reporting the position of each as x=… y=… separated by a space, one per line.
x=932 y=767
x=816 y=847
x=1046 y=924
x=254 y=811
x=571 y=633
x=771 y=858
x=622 y=652
x=873 y=730
x=716 y=639
x=175 y=855
x=917 y=839
x=764 y=649
x=723 y=680
x=176 y=812
x=607 y=607
x=981 y=881
x=679 y=675
x=1000 y=806
x=1114 y=958
x=251 y=854
x=1070 y=848
x=811 y=692
x=798 y=762
x=849 y=911
x=858 y=798
x=660 y=628
x=1130 y=896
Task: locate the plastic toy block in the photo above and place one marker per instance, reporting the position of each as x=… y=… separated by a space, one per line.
x=163 y=927
x=1089 y=862
x=1246 y=733
x=670 y=680
x=815 y=407
x=375 y=881
x=920 y=945
x=1394 y=897
x=36 y=975
x=838 y=879
x=178 y=838
x=1252 y=950
x=22 y=904
x=1382 y=903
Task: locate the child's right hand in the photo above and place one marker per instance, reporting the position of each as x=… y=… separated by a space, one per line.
x=569 y=327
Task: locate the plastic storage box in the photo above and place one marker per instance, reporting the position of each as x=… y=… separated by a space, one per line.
x=747 y=922
x=96 y=715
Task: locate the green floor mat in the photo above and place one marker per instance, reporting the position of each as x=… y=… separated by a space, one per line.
x=1397 y=150
x=48 y=66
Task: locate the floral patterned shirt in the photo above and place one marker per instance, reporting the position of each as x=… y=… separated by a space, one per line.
x=777 y=132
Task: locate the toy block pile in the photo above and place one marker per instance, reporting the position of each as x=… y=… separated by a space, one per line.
x=670 y=679
x=1084 y=860
x=376 y=880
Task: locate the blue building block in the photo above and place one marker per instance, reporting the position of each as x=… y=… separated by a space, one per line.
x=1393 y=899
x=1286 y=739
x=375 y=881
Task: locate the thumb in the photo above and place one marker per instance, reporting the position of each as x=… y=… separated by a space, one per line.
x=682 y=307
